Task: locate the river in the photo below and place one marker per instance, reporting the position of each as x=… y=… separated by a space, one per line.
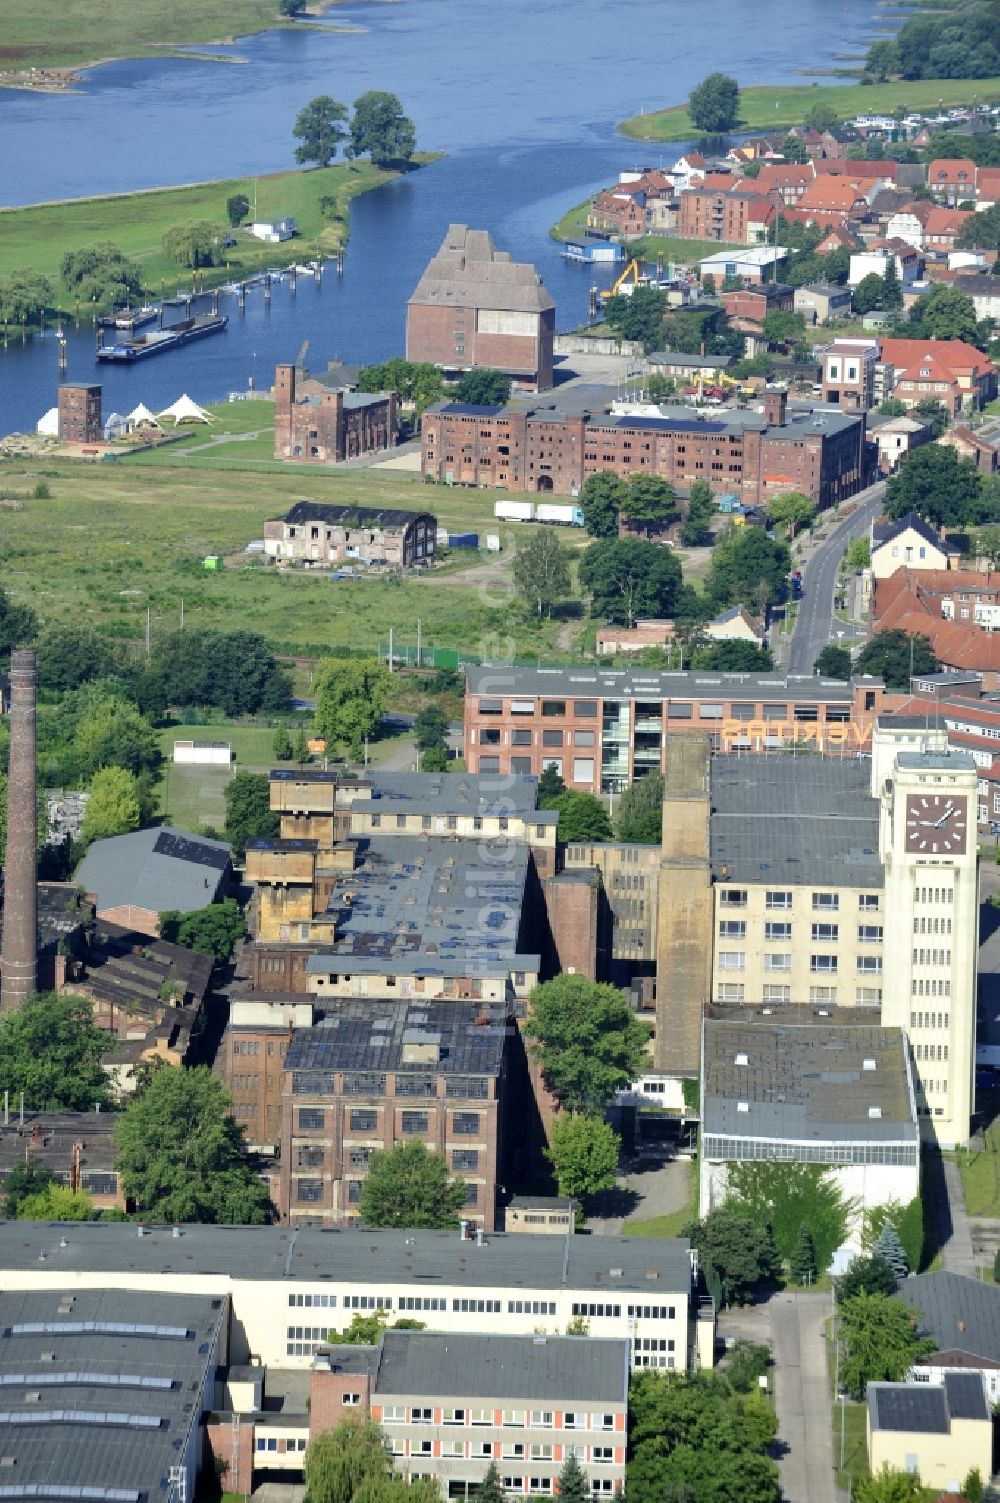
x=523 y=95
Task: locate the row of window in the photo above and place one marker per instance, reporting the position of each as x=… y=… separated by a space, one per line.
x=921 y=988
x=932 y=957
x=311 y=1192
x=925 y=1052
x=829 y=902
x=485 y=1450
x=929 y=1019
x=378 y=821
x=462 y=1490
x=781 y=932
x=934 y=895
x=736 y=960
x=821 y=996
x=365 y=1119
x=932 y=925
x=512 y=1419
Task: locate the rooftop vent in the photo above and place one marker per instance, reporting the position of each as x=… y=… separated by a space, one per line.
x=616 y=1273
x=874 y=1111
x=868 y=1064
x=742 y=1106
x=742 y=1059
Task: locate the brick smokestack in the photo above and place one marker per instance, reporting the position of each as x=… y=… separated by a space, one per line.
x=20 y=898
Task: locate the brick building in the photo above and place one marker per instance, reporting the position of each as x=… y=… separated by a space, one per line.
x=748 y=307
x=620 y=212
x=78 y=1149
x=79 y=410
x=602 y=729
x=738 y=216
x=474 y=306
x=317 y=532
x=316 y=425
x=757 y=455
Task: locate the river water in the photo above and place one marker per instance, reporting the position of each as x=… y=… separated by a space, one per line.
x=523 y=95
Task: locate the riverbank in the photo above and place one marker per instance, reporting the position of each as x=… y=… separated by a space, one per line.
x=573 y=226
x=39 y=235
x=765 y=108
x=47 y=43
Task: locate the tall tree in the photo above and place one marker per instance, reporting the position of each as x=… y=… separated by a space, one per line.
x=890 y=1249
x=248 y=810
x=489 y=1490
x=181 y=1155
x=194 y=245
x=650 y=504
x=379 y=129
x=582 y=816
x=23 y=1179
x=714 y=104
x=944 y=313
x=430 y=726
x=691 y=1438
x=866 y=1276
x=792 y=511
x=71 y=655
x=701 y=508
x=748 y=568
x=601 y=498
x=888 y=1486
x=741 y=1252
x=587 y=1039
x=319 y=128
x=730 y=655
x=56 y=1203
x=574 y=1486
x=100 y=274
x=351 y=697
x=894 y=656
x=483 y=387
x=214 y=930
x=834 y=662
x=584 y=1153
x=347 y=1461
x=640 y=811
x=938 y=485
x=409 y=1186
x=880 y=1340
x=237 y=209
x=785 y=1197
x=802 y=1263
x=541 y=571
x=50 y=1050
x=629 y=578
x=113 y=805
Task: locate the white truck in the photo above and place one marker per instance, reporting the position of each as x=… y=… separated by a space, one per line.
x=514 y=511
x=562 y=516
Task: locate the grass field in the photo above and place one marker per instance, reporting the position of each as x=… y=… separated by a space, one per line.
x=764 y=108
x=114 y=540
x=195 y=796
x=668 y=1225
x=68 y=33
x=855 y=1444
x=39 y=235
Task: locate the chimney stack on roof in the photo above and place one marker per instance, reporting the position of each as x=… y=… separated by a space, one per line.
x=20 y=900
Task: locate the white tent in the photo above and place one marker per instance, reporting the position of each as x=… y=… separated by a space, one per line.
x=49 y=424
x=141 y=417
x=186 y=411
x=115 y=425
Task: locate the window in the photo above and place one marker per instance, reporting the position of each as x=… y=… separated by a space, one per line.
x=583 y=769
x=472 y=1195
x=868 y=902
x=520 y=738
x=869 y=965
x=541 y=1419
x=870 y=934
x=823 y=995
x=830 y=901
x=453 y=1416
x=733 y=897
x=552 y=738
x=531 y=1307
x=466 y=1159
x=309 y=1190
x=414 y=1122
x=778 y=900
x=584 y=738
x=478 y=1307
x=826 y=932
x=732 y=929
x=421 y=1416
x=779 y=961
x=311 y=1118
x=591 y=1312
x=778 y=933
x=351 y=1400
x=465 y=1122
x=731 y=991
x=556 y=707
x=585 y=709
x=362 y=1121
x=604 y=1454
x=775 y=993
x=732 y=960
x=826 y=963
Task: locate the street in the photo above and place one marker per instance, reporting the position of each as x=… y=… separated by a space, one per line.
x=814 y=623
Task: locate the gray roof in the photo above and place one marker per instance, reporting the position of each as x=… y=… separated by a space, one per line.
x=427 y=905
x=694 y=362
x=936 y=761
x=927 y=1408
x=338 y=514
x=158 y=869
x=469 y=1038
x=577 y=1369
x=114 y=1404
x=887 y=532
x=651 y=683
x=449 y=793
x=806 y=1083
x=469 y=271
x=653 y=1266
x=961 y=1314
x=794 y=821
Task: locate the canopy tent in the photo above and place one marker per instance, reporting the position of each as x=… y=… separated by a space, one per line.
x=186 y=411
x=141 y=417
x=115 y=425
x=48 y=424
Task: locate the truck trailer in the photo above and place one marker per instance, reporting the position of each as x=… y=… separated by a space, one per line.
x=562 y=516
x=514 y=511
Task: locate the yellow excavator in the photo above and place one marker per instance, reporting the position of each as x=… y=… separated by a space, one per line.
x=632 y=273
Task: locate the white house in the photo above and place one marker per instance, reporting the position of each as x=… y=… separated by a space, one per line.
x=273 y=230
x=876 y=259
x=910 y=543
x=204 y=753
x=753 y=263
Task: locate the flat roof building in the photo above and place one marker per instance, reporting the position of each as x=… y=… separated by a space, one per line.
x=320 y=532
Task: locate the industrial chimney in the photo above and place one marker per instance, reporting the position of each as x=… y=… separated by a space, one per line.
x=20 y=898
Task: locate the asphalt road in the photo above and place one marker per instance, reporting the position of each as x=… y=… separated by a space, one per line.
x=814 y=627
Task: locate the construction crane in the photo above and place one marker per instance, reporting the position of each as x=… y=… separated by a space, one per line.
x=631 y=273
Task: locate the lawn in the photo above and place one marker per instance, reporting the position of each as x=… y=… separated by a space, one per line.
x=117 y=541
x=852 y=1447
x=66 y=33
x=668 y=1225
x=980 y=1168
x=764 y=108
x=39 y=235
x=195 y=796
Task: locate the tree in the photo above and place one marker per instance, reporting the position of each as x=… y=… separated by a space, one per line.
x=882 y=60
x=541 y=571
x=100 y=274
x=237 y=209
x=934 y=413
x=235 y=670
x=980 y=231
x=890 y=1250
x=892 y=292
x=24 y=294
x=113 y=805
x=379 y=129
x=945 y=313
x=639 y=317
x=214 y=930
x=802 y=1263
x=869 y=1275
x=109 y=732
x=182 y=1157
x=367 y=1330
x=601 y=498
x=783 y=328
x=582 y=816
x=972 y=1487
x=414 y=382
x=574 y=1486
x=879 y=1340
x=834 y=662
x=291 y=8
x=248 y=810
x=51 y=1050
x=784 y=1197
x=483 y=387
x=301 y=752
x=587 y=1040
x=319 y=128
x=692 y=1438
x=748 y=568
x=733 y=656
x=409 y=1186
x=584 y=1153
x=281 y=744
x=347 y=1462
x=351 y=698
x=934 y=482
x=895 y=656
x=987 y=545
x=435 y=758
x=640 y=811
x=892 y=407
x=859 y=554
x=489 y=1490
x=18 y=625
x=24 y=1179
x=430 y=726
x=793 y=150
x=888 y=1486
x=869 y=294
x=822 y=116
x=629 y=578
x=742 y=1253
x=56 y=1203
x=194 y=245
x=714 y=104
x=550 y=787
x=701 y=508
x=70 y=655
x=791 y=510
x=649 y=504
x=746 y=1361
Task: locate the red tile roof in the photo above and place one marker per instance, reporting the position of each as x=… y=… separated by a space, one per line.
x=955 y=355
x=952 y=172
x=841 y=167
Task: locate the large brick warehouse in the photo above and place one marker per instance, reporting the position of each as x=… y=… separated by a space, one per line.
x=819 y=451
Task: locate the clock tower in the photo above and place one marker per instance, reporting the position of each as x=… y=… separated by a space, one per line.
x=927 y=837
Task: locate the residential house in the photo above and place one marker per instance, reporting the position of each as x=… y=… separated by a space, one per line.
x=747 y=307
x=963 y=1317
x=975 y=446
x=908 y=222
x=789 y=180
x=875 y=259
x=736 y=625
x=833 y=200
x=983 y=290
x=737 y=216
x=909 y=543
x=882 y=173
x=949 y=371
x=958 y=612
x=821 y=302
x=687 y=170
x=941 y=1431
x=620 y=212
x=896 y=438
x=987 y=187
x=838 y=237
x=943 y=226
x=952 y=179
x=321 y=533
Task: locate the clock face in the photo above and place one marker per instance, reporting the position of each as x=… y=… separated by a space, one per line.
x=936 y=823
